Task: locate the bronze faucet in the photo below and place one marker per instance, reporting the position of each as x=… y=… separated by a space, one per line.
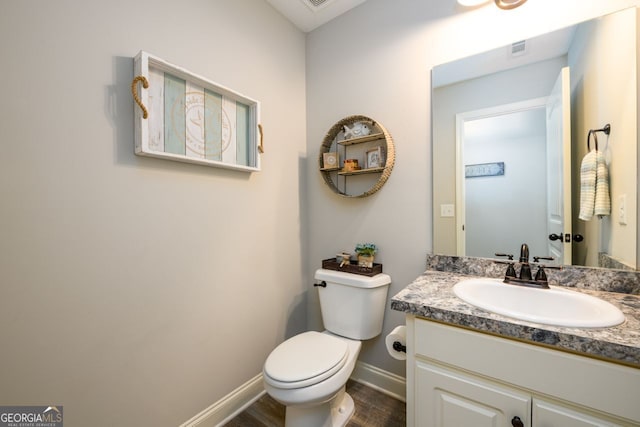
x=525 y=278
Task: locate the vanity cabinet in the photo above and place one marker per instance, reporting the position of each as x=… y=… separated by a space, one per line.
x=549 y=413
x=448 y=398
x=458 y=377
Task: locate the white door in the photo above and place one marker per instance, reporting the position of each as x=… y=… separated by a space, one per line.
x=559 y=169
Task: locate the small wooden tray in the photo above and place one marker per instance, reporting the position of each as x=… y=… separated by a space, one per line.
x=331 y=264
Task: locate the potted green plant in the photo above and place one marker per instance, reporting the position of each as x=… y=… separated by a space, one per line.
x=366 y=252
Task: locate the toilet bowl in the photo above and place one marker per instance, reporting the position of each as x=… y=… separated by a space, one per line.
x=308 y=372
x=313 y=379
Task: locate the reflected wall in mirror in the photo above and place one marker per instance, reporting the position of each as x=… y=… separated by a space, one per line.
x=496 y=107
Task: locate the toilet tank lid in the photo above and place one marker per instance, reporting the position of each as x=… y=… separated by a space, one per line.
x=351 y=279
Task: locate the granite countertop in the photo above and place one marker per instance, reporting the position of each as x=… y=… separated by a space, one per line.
x=431 y=296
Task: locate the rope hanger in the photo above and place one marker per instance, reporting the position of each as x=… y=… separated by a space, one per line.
x=134 y=92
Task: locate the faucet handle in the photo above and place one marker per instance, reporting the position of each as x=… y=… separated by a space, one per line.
x=511 y=271
x=541 y=276
x=538 y=258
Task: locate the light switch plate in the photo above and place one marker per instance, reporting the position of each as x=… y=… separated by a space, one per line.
x=447 y=211
x=622 y=209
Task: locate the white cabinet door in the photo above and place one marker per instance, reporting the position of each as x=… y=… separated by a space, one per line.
x=446 y=398
x=547 y=414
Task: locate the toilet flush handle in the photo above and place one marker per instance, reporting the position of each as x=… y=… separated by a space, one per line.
x=322 y=284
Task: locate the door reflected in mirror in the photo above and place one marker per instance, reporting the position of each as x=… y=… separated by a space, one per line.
x=504 y=106
x=517 y=139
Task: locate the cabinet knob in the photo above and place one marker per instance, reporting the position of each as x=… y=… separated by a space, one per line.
x=517 y=422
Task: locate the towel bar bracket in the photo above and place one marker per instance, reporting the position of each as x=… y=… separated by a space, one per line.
x=606 y=130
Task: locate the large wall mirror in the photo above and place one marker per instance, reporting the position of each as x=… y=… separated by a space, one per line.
x=510 y=130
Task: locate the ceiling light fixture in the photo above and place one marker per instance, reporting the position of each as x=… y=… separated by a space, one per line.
x=502 y=4
x=509 y=4
x=471 y=3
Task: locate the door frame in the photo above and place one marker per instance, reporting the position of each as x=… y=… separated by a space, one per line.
x=461 y=118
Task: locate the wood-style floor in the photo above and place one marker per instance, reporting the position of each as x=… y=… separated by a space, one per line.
x=373 y=409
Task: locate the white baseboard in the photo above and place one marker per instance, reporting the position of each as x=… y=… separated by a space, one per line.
x=390 y=384
x=225 y=409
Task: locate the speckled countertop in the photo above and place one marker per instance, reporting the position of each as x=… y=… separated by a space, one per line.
x=431 y=296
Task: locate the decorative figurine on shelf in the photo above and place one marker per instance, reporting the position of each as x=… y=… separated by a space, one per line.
x=366 y=252
x=357 y=130
x=343 y=258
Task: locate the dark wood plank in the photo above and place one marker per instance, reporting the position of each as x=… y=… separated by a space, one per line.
x=373 y=409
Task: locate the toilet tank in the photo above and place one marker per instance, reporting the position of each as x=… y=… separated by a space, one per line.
x=352 y=305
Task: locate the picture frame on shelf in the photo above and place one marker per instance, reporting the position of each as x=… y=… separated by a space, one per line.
x=330 y=160
x=373 y=158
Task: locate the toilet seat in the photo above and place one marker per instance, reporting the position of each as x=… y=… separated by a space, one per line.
x=305 y=359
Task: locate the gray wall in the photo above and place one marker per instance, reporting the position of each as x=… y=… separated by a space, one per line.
x=139 y=291
x=602 y=80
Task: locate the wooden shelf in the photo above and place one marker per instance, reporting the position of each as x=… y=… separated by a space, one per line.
x=361 y=139
x=361 y=171
x=330 y=169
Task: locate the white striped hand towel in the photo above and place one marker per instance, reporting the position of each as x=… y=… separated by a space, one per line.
x=594 y=186
x=603 y=200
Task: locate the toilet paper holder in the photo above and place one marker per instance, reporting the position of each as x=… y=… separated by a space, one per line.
x=397 y=346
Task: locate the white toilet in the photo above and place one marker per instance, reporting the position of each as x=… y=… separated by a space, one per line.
x=308 y=372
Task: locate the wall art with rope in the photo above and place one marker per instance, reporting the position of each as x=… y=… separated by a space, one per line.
x=182 y=116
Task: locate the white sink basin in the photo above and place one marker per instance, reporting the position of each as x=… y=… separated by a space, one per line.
x=555 y=306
